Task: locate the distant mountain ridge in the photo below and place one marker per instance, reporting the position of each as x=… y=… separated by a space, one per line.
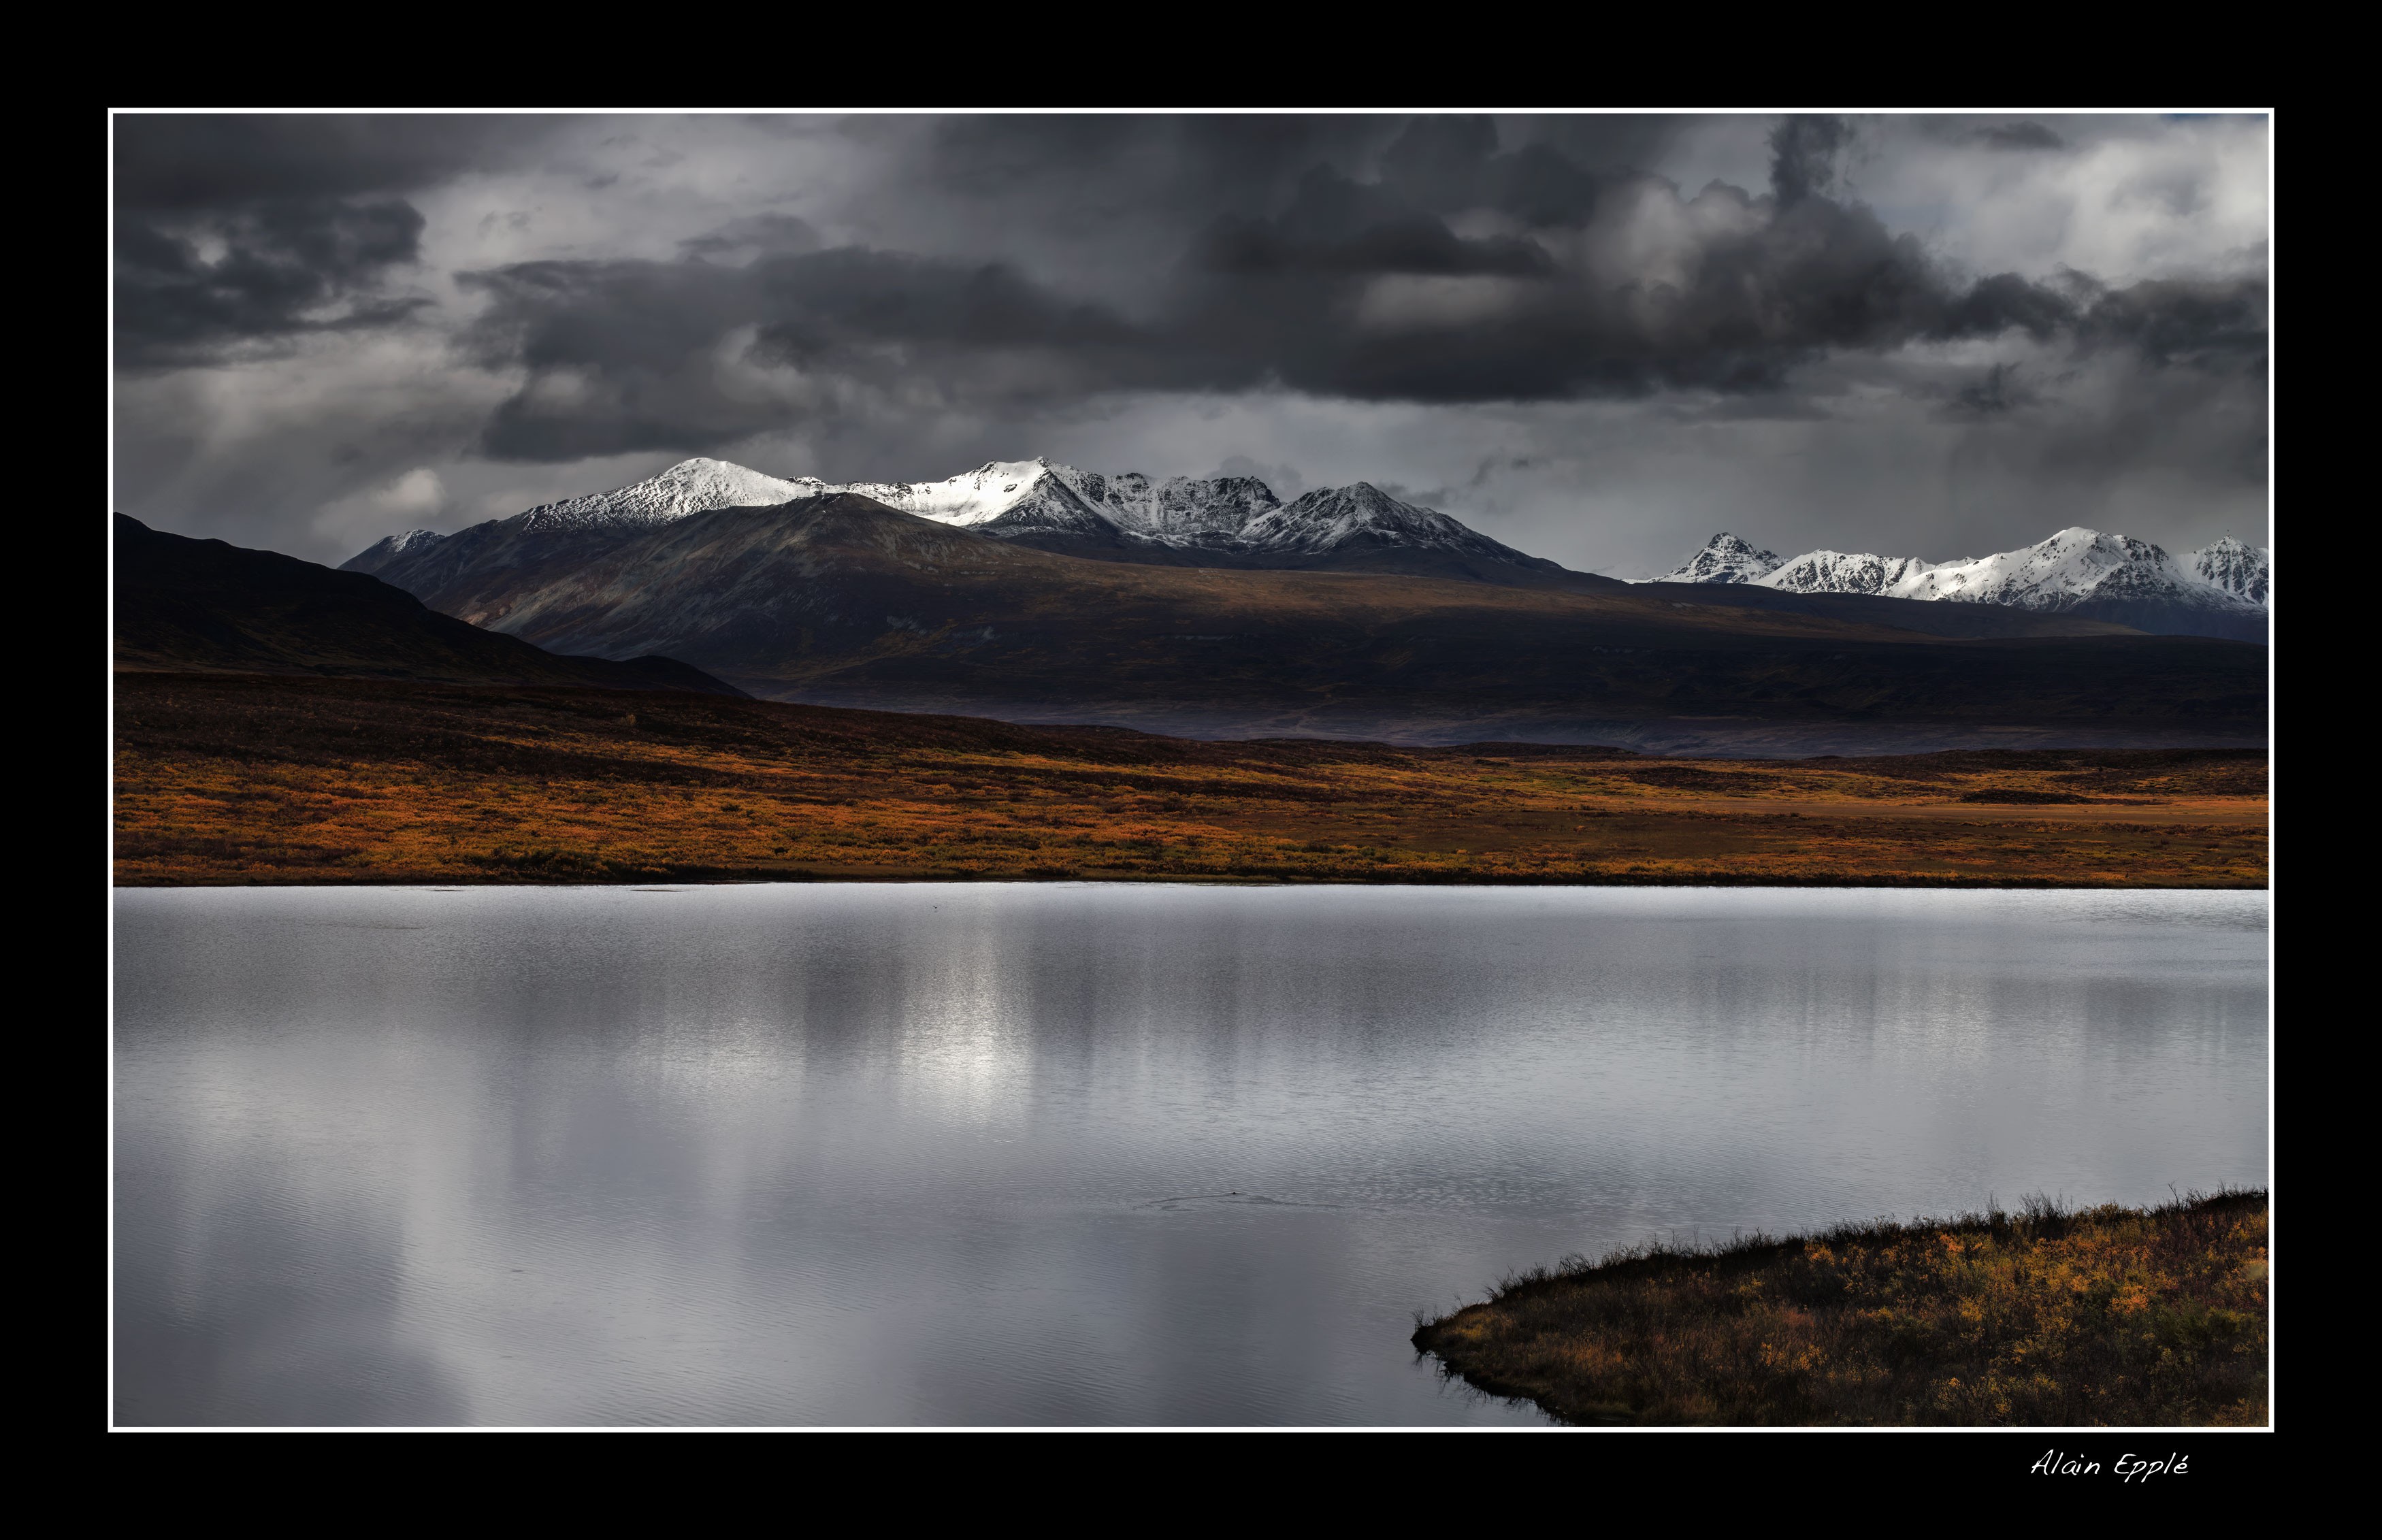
x=1231 y=515
x=1238 y=522
x=2220 y=590
x=1214 y=521
x=840 y=599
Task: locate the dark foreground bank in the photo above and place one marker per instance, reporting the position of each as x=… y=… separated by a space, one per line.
x=2108 y=1316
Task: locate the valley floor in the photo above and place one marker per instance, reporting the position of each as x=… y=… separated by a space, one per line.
x=2110 y=1318
x=234 y=778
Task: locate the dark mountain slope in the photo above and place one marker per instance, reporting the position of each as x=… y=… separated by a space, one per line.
x=203 y=606
x=1910 y=615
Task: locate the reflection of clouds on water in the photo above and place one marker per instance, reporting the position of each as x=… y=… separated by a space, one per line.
x=310 y=1330
x=1008 y=1154
x=962 y=1035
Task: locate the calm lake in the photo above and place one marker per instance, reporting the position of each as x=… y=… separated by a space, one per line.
x=1073 y=1153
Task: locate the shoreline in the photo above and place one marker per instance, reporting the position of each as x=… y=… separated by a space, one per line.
x=813 y=879
x=2051 y=1316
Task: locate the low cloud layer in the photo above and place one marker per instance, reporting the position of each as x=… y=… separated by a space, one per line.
x=546 y=299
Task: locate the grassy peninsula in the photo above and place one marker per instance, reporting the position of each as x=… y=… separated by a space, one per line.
x=2049 y=1316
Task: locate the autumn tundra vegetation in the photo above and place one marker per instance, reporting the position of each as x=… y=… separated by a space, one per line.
x=2048 y=1316
x=272 y=778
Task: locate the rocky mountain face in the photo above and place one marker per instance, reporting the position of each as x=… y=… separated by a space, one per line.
x=2218 y=591
x=1724 y=558
x=2236 y=566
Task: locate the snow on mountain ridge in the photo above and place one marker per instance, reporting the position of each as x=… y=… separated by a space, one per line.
x=1241 y=514
x=1333 y=516
x=2244 y=570
x=2074 y=566
x=690 y=486
x=1009 y=499
x=1841 y=572
x=1182 y=511
x=970 y=498
x=382 y=552
x=1013 y=497
x=1724 y=558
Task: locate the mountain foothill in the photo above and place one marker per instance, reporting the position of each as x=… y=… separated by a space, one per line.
x=202 y=606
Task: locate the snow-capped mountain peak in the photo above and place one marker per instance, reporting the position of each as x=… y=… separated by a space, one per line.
x=2220 y=590
x=690 y=487
x=1336 y=516
x=1842 y=572
x=970 y=498
x=1724 y=558
x=2244 y=570
x=2057 y=573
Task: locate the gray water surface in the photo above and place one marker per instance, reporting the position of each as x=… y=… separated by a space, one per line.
x=1073 y=1153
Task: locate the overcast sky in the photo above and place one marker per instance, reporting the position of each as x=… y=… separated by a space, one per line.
x=1598 y=338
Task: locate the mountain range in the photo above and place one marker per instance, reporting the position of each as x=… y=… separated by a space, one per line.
x=1237 y=523
x=1212 y=609
x=2219 y=590
x=1227 y=521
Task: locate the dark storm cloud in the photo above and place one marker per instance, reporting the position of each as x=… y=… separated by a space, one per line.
x=1447 y=164
x=1774 y=281
x=211 y=162
x=2006 y=302
x=1193 y=169
x=1354 y=281
x=2218 y=327
x=1803 y=156
x=1079 y=173
x=1345 y=228
x=756 y=235
x=234 y=233
x=1633 y=322
x=626 y=355
x=283 y=268
x=2019 y=136
x=2001 y=389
